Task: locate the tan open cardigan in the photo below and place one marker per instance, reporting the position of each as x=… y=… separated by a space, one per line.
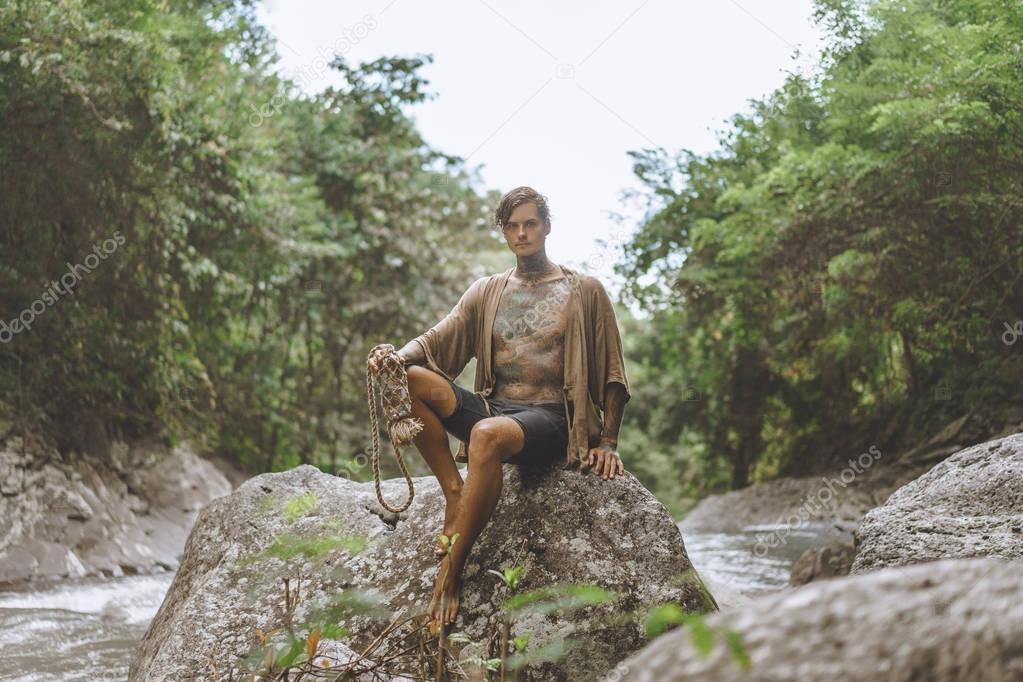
x=593 y=351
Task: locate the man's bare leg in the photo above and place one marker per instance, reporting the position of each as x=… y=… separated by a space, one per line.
x=492 y=441
x=432 y=398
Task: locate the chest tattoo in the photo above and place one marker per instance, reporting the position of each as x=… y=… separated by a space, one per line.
x=529 y=336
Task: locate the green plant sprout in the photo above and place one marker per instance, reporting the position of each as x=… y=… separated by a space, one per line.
x=299 y=506
x=663 y=617
x=449 y=543
x=510 y=576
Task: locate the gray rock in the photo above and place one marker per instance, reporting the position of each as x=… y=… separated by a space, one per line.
x=72 y=516
x=55 y=561
x=562 y=525
x=957 y=620
x=969 y=505
x=831 y=560
x=17 y=563
x=12 y=475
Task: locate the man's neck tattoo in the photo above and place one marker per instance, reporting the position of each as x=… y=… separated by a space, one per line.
x=532 y=269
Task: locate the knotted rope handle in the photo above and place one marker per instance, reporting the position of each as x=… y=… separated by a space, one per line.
x=392 y=384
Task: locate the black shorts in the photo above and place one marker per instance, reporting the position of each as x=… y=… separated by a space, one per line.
x=544 y=424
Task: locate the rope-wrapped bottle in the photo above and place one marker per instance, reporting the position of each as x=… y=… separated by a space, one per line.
x=391 y=382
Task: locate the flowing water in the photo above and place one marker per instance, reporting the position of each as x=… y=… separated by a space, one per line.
x=87 y=630
x=757 y=559
x=80 y=630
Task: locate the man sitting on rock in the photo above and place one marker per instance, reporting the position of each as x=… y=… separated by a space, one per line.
x=549 y=355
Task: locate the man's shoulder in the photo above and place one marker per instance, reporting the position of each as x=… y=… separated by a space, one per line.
x=587 y=283
x=480 y=285
x=485 y=280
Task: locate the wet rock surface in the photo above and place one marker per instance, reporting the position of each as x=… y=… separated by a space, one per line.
x=969 y=505
x=957 y=620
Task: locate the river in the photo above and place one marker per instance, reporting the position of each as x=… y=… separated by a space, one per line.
x=86 y=630
x=76 y=630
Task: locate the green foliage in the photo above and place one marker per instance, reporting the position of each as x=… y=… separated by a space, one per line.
x=448 y=542
x=325 y=616
x=289 y=655
x=292 y=648
x=287 y=547
x=520 y=643
x=550 y=652
x=560 y=598
x=549 y=599
x=855 y=244
x=664 y=617
x=260 y=241
x=510 y=576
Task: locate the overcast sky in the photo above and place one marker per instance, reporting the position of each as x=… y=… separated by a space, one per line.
x=553 y=94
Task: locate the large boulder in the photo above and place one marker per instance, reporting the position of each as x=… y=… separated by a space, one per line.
x=125 y=512
x=564 y=526
x=969 y=505
x=957 y=620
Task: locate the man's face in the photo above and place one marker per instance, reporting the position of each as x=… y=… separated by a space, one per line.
x=525 y=231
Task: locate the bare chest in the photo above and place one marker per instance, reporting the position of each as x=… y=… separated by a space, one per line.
x=528 y=340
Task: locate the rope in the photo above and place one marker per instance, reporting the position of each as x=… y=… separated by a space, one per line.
x=391 y=382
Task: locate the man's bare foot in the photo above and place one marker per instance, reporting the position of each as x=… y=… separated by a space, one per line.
x=451 y=591
x=450 y=514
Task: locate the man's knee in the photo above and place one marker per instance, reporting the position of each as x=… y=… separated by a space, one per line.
x=493 y=437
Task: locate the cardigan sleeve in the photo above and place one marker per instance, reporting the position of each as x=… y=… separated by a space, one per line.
x=609 y=354
x=451 y=343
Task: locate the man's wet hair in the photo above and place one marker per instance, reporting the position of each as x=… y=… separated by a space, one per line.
x=517 y=197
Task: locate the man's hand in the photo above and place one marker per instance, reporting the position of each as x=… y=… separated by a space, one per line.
x=605 y=460
x=375 y=361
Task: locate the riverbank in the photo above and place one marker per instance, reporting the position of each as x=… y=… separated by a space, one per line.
x=91 y=626
x=934 y=592
x=843 y=496
x=127 y=511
